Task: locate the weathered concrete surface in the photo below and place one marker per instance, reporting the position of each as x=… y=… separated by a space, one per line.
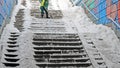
x=19 y=20
x=53 y=40
x=53 y=14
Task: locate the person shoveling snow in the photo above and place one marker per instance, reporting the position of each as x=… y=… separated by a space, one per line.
x=44 y=7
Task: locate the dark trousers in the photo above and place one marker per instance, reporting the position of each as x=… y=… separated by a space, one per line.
x=43 y=9
x=16 y=2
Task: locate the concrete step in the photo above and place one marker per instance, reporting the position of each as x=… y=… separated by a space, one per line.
x=84 y=64
x=56 y=34
x=85 y=59
x=13 y=46
x=61 y=55
x=57 y=42
x=12 y=50
x=14 y=53
x=11 y=64
x=13 y=39
x=58 y=47
x=11 y=55
x=47 y=51
x=57 y=51
x=56 y=39
x=16 y=35
x=62 y=60
x=11 y=59
x=12 y=42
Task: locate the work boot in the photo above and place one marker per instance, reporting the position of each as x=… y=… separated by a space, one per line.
x=48 y=17
x=42 y=16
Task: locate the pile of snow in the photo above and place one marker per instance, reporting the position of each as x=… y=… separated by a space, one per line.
x=77 y=18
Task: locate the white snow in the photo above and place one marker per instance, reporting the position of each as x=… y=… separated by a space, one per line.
x=76 y=18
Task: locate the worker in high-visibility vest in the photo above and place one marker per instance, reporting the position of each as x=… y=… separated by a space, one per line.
x=16 y=2
x=44 y=7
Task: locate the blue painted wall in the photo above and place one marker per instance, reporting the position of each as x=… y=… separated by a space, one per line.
x=103 y=9
x=6 y=9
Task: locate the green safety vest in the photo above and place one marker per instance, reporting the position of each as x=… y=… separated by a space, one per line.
x=44 y=3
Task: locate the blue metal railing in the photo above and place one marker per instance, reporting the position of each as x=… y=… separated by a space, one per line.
x=114 y=22
x=82 y=2
x=6 y=7
x=88 y=10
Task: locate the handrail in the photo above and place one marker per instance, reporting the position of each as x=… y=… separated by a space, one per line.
x=113 y=21
x=89 y=10
x=118 y=25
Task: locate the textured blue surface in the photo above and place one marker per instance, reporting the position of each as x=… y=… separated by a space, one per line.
x=102 y=11
x=5 y=9
x=1 y=19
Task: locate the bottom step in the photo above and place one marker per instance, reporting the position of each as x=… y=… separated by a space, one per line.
x=11 y=64
x=87 y=64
